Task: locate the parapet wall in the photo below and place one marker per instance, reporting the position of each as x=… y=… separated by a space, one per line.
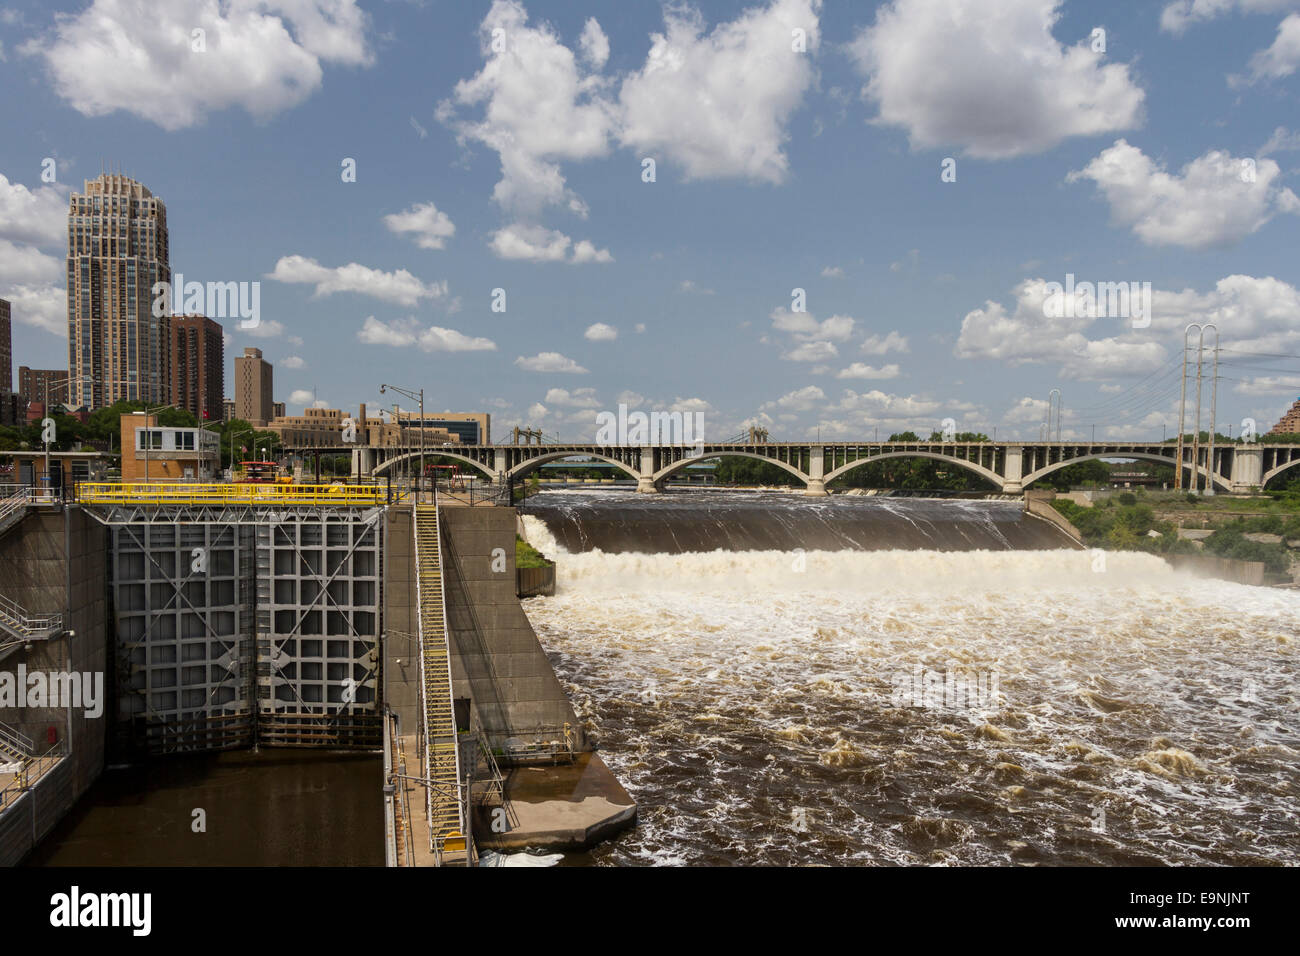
x=1039 y=504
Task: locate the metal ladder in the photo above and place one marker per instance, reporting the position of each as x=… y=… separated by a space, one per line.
x=446 y=811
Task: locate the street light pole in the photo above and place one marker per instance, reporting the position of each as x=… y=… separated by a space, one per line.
x=415 y=397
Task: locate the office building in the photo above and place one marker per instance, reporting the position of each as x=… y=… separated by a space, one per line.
x=154 y=453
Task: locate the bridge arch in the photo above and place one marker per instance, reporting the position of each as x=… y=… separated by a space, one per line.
x=1027 y=480
x=532 y=464
x=685 y=463
x=387 y=466
x=970 y=466
x=1269 y=476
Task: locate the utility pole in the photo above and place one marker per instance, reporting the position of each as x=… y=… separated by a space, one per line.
x=1196 y=428
x=1214 y=401
x=1182 y=412
x=1057 y=393
x=1196 y=437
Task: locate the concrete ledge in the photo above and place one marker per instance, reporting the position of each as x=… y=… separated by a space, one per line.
x=568 y=807
x=1039 y=505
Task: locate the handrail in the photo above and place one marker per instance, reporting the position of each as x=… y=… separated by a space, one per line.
x=429 y=748
x=19 y=742
x=32 y=770
x=227 y=493
x=15 y=620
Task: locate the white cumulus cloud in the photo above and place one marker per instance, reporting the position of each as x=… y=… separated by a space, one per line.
x=1216 y=199
x=717 y=103
x=425 y=223
x=404 y=333
x=859 y=370
x=263 y=56
x=550 y=362
x=38 y=216
x=990 y=78
x=400 y=286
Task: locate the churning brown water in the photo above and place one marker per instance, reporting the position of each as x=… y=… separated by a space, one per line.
x=926 y=706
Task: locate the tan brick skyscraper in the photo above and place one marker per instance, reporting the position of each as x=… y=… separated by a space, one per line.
x=253 y=402
x=117 y=250
x=1290 y=423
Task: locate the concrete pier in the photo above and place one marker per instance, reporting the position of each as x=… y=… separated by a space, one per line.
x=567 y=807
x=567 y=802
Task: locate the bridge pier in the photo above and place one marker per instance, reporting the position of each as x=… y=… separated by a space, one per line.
x=645 y=481
x=1247 y=468
x=1013 y=471
x=363 y=462
x=816 y=487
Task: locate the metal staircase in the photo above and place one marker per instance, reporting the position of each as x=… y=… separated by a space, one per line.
x=13 y=505
x=19 y=627
x=446 y=810
x=14 y=747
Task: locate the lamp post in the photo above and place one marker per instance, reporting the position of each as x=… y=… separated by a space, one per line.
x=413 y=396
x=49 y=389
x=232 y=433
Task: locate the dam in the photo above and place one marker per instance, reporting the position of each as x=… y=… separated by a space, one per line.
x=774 y=679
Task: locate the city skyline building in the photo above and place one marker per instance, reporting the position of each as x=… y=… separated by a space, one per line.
x=49 y=386
x=6 y=350
x=117 y=251
x=198 y=366
x=253 y=387
x=1290 y=423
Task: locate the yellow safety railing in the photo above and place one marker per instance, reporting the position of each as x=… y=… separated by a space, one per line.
x=442 y=755
x=230 y=493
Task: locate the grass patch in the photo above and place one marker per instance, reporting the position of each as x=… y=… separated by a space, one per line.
x=526 y=556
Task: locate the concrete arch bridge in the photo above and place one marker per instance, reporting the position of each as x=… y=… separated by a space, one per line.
x=1009 y=466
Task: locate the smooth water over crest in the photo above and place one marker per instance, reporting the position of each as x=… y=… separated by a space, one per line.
x=617 y=521
x=922 y=706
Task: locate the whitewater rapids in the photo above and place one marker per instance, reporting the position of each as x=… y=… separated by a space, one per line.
x=750 y=700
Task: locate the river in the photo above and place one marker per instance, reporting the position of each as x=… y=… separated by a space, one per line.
x=275 y=807
x=910 y=681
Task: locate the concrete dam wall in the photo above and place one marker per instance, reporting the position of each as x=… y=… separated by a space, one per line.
x=497 y=661
x=54 y=561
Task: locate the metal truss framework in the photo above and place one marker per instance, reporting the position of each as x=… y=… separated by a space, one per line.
x=241 y=622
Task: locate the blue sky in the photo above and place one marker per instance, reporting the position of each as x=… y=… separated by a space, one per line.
x=521 y=168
